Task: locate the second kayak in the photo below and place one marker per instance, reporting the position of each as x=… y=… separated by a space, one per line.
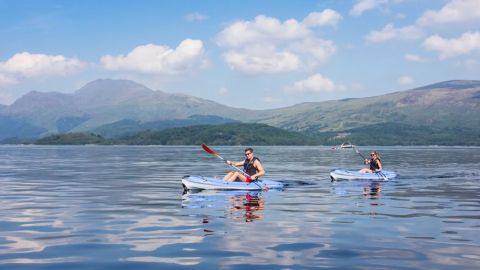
x=342 y=174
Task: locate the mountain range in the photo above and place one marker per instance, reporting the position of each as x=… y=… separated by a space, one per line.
x=115 y=108
x=451 y=104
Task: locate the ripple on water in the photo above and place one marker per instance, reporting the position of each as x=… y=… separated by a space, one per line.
x=124 y=207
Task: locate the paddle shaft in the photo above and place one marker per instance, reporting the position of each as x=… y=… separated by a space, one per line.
x=359 y=153
x=211 y=151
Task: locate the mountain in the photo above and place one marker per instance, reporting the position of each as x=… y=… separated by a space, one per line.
x=43 y=109
x=130 y=127
x=104 y=102
x=11 y=127
x=116 y=108
x=402 y=134
x=108 y=101
x=451 y=104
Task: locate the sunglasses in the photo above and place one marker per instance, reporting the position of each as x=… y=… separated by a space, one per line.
x=246 y=154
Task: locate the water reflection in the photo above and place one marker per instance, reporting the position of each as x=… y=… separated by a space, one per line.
x=248 y=207
x=372 y=190
x=237 y=205
x=368 y=188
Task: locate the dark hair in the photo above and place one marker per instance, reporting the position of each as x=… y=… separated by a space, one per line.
x=249 y=149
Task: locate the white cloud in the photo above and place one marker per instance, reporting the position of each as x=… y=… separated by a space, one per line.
x=315 y=83
x=267 y=45
x=195 y=17
x=262 y=59
x=222 y=91
x=262 y=29
x=468 y=42
x=313 y=51
x=326 y=17
x=157 y=59
x=363 y=5
x=389 y=32
x=406 y=80
x=6 y=80
x=414 y=58
x=30 y=65
x=455 y=11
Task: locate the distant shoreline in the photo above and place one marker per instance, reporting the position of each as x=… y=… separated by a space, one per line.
x=261 y=134
x=329 y=147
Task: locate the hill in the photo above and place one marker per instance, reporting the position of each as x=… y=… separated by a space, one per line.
x=224 y=134
x=78 y=138
x=11 y=127
x=114 y=108
x=446 y=105
x=401 y=134
x=104 y=102
x=127 y=127
x=261 y=134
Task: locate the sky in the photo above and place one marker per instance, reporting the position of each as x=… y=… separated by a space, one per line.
x=248 y=54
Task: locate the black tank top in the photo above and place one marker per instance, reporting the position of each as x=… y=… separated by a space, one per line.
x=374 y=165
x=248 y=166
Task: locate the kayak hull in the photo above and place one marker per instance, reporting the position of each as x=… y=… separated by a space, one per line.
x=190 y=182
x=342 y=174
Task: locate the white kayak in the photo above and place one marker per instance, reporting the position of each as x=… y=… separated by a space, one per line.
x=342 y=174
x=202 y=182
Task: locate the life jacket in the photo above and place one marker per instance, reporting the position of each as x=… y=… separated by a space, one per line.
x=248 y=167
x=374 y=165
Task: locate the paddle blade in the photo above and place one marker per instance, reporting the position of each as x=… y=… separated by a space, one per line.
x=208 y=149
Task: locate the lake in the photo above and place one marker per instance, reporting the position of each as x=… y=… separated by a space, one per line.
x=123 y=207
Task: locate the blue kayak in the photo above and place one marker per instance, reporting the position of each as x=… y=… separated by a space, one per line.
x=201 y=182
x=342 y=174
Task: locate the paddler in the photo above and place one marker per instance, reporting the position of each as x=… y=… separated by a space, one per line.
x=375 y=163
x=251 y=166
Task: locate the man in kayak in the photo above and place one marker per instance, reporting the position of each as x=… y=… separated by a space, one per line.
x=375 y=163
x=251 y=166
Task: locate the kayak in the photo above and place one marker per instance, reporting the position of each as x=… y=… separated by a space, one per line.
x=342 y=174
x=201 y=182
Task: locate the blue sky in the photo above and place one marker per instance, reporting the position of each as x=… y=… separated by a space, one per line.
x=248 y=54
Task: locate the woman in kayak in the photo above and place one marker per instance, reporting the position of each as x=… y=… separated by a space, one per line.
x=375 y=163
x=251 y=166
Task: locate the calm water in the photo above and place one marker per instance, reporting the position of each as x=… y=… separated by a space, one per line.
x=123 y=207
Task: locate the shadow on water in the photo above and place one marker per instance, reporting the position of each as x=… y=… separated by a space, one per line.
x=457 y=174
x=298 y=183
